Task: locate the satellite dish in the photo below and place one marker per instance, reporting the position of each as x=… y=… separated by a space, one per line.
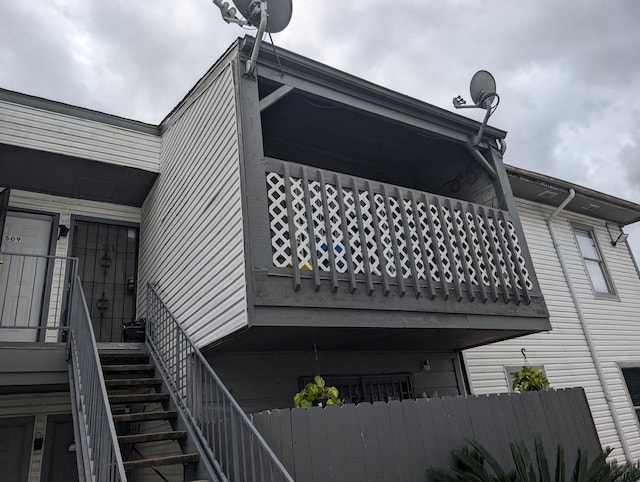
x=278 y=13
x=272 y=18
x=483 y=93
x=483 y=89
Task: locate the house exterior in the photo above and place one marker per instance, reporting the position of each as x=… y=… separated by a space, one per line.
x=592 y=288
x=298 y=222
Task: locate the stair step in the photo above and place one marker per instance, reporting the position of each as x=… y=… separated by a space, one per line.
x=145 y=416
x=138 y=398
x=133 y=382
x=158 y=461
x=111 y=357
x=152 y=437
x=142 y=367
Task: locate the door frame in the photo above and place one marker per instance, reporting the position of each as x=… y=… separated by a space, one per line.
x=5 y=194
x=51 y=250
x=113 y=222
x=47 y=452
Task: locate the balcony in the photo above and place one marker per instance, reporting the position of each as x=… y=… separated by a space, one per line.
x=349 y=252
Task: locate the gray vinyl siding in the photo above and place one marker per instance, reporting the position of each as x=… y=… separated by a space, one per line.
x=614 y=324
x=44 y=130
x=191 y=233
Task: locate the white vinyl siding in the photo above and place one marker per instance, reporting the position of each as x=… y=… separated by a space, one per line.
x=49 y=131
x=192 y=241
x=614 y=324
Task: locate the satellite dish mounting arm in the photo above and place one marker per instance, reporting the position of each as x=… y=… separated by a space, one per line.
x=483 y=93
x=255 y=13
x=229 y=14
x=484 y=101
x=251 y=63
x=257 y=8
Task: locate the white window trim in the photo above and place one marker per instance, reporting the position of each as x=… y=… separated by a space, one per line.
x=612 y=293
x=620 y=366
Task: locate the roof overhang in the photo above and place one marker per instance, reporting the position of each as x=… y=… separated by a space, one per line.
x=551 y=191
x=311 y=77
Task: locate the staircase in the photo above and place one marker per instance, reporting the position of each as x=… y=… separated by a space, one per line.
x=151 y=447
x=157 y=411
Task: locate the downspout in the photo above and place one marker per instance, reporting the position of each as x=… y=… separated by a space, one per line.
x=585 y=327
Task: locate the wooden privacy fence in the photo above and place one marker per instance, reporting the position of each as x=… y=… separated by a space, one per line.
x=398 y=441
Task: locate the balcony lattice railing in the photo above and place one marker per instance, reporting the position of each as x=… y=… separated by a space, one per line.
x=330 y=225
x=34 y=291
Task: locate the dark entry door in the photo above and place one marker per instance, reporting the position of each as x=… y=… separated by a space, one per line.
x=59 y=462
x=107 y=265
x=16 y=435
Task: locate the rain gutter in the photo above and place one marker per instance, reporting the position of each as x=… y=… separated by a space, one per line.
x=585 y=328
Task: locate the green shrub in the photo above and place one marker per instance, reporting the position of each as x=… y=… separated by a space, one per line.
x=474 y=463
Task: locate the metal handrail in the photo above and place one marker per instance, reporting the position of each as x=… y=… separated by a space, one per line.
x=44 y=282
x=235 y=448
x=102 y=461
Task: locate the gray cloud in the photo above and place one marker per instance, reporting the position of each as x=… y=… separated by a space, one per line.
x=567 y=74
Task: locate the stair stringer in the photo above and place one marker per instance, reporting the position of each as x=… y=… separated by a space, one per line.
x=208 y=467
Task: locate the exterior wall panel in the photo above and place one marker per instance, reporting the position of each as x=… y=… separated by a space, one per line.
x=614 y=324
x=192 y=235
x=275 y=382
x=44 y=130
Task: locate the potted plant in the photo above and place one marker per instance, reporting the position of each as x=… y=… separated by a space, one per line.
x=530 y=380
x=316 y=393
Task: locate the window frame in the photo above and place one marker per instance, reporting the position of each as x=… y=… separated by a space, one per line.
x=582 y=228
x=621 y=367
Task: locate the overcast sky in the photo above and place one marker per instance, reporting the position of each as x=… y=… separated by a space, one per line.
x=568 y=73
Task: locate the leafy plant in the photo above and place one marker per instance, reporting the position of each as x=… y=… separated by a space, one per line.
x=530 y=380
x=316 y=391
x=470 y=466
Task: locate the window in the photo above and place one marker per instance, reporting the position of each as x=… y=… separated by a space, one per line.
x=369 y=388
x=632 y=378
x=593 y=261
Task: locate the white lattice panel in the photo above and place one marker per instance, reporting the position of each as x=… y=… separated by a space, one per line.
x=407 y=240
x=369 y=233
x=476 y=249
x=278 y=220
